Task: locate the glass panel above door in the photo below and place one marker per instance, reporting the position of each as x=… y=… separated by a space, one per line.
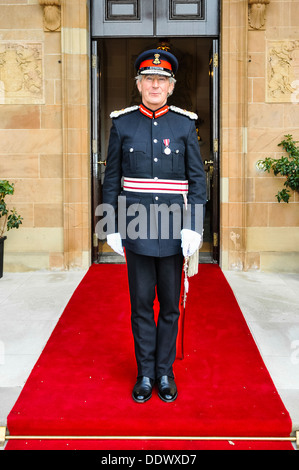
x=186 y=10
x=155 y=18
x=120 y=10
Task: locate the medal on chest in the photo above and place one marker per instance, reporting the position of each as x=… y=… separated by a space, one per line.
x=167 y=150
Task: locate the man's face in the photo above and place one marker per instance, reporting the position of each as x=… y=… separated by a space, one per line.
x=154 y=90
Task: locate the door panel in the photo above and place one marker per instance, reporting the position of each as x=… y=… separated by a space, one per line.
x=112 y=18
x=187 y=18
x=95 y=126
x=215 y=147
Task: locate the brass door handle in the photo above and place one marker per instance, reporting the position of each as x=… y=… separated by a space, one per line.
x=208 y=162
x=103 y=163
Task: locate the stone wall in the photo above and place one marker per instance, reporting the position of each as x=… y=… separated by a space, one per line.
x=31 y=134
x=45 y=131
x=258 y=107
x=273 y=111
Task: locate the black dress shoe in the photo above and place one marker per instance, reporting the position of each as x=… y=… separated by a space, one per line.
x=167 y=390
x=142 y=390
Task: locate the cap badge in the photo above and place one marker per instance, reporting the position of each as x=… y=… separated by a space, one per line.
x=157 y=60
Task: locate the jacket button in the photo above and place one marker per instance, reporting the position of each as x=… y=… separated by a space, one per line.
x=157 y=199
x=131 y=149
x=155 y=160
x=155 y=141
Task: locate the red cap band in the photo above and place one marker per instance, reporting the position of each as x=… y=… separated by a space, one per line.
x=149 y=63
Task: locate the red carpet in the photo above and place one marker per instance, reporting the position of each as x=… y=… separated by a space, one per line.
x=82 y=382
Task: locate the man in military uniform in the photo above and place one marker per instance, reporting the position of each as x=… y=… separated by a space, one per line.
x=155 y=172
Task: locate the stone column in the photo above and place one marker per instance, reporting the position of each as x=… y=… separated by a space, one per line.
x=76 y=150
x=234 y=187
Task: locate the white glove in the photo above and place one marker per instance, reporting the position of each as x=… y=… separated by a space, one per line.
x=191 y=241
x=114 y=241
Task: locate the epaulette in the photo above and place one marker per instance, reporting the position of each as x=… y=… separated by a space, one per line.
x=116 y=114
x=189 y=114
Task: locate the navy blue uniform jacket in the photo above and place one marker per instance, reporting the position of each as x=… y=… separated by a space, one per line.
x=136 y=150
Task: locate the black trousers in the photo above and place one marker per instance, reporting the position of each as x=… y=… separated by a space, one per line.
x=155 y=345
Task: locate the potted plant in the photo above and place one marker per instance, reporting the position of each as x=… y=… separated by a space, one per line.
x=287 y=165
x=9 y=218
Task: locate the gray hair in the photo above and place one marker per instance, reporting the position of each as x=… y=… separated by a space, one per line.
x=171 y=79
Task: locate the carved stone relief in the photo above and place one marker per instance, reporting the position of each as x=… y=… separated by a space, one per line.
x=21 y=73
x=52 y=14
x=257 y=13
x=282 y=72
